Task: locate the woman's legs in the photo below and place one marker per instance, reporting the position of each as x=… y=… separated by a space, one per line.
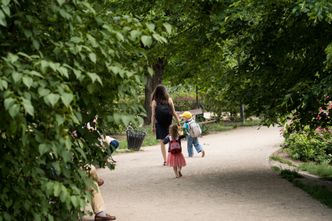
x=163 y=151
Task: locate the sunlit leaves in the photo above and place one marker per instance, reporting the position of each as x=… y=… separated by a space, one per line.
x=168 y=28
x=146 y=40
x=51 y=99
x=28 y=106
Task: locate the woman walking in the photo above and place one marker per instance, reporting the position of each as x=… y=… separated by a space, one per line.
x=162 y=113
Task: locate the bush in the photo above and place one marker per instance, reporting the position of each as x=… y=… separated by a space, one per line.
x=309 y=147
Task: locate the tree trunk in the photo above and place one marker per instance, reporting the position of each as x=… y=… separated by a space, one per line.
x=151 y=84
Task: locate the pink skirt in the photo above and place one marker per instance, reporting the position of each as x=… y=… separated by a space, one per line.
x=175 y=160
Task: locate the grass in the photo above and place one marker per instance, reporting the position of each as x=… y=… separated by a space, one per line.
x=225 y=126
x=321 y=170
x=320 y=193
x=281 y=160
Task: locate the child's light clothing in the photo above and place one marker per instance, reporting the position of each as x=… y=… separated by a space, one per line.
x=191 y=141
x=175 y=160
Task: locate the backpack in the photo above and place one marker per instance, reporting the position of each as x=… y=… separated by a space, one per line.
x=164 y=114
x=194 y=129
x=174 y=146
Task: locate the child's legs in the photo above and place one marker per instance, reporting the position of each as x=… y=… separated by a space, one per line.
x=176 y=171
x=190 y=146
x=197 y=145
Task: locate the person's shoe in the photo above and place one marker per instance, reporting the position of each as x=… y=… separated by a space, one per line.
x=100 y=182
x=164 y=164
x=107 y=217
x=203 y=153
x=180 y=174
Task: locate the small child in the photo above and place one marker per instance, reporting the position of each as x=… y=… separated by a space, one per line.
x=175 y=157
x=187 y=116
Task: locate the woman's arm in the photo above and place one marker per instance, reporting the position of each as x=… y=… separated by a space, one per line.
x=153 y=114
x=170 y=102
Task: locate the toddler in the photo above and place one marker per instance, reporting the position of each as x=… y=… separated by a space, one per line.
x=175 y=157
x=191 y=140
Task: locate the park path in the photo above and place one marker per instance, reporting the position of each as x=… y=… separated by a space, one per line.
x=233 y=182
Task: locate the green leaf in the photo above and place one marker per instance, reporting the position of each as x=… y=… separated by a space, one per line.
x=9 y=102
x=6 y=10
x=14 y=110
x=76 y=40
x=93 y=57
x=16 y=76
x=119 y=36
x=74 y=201
x=43 y=91
x=43 y=148
x=92 y=41
x=3 y=21
x=35 y=73
x=59 y=119
x=3 y=85
x=57 y=189
x=150 y=71
x=134 y=34
x=52 y=99
x=35 y=44
x=43 y=66
x=5 y=2
x=94 y=77
x=12 y=58
x=168 y=28
x=146 y=40
x=67 y=98
x=63 y=71
x=150 y=26
x=28 y=107
x=159 y=38
x=115 y=69
x=27 y=81
x=60 y=2
x=50 y=217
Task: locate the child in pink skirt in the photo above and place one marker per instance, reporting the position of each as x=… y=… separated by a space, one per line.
x=175 y=157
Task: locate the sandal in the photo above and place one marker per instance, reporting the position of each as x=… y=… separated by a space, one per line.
x=107 y=217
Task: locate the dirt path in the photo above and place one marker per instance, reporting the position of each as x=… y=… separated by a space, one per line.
x=233 y=182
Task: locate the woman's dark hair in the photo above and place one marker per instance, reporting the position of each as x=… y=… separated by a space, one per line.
x=160 y=94
x=174 y=131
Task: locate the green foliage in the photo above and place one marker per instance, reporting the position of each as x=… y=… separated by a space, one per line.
x=184 y=96
x=284 y=53
x=309 y=147
x=323 y=170
x=61 y=63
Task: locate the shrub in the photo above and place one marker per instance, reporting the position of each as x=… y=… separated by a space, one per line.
x=309 y=147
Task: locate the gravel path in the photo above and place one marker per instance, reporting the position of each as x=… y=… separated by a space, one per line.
x=233 y=182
